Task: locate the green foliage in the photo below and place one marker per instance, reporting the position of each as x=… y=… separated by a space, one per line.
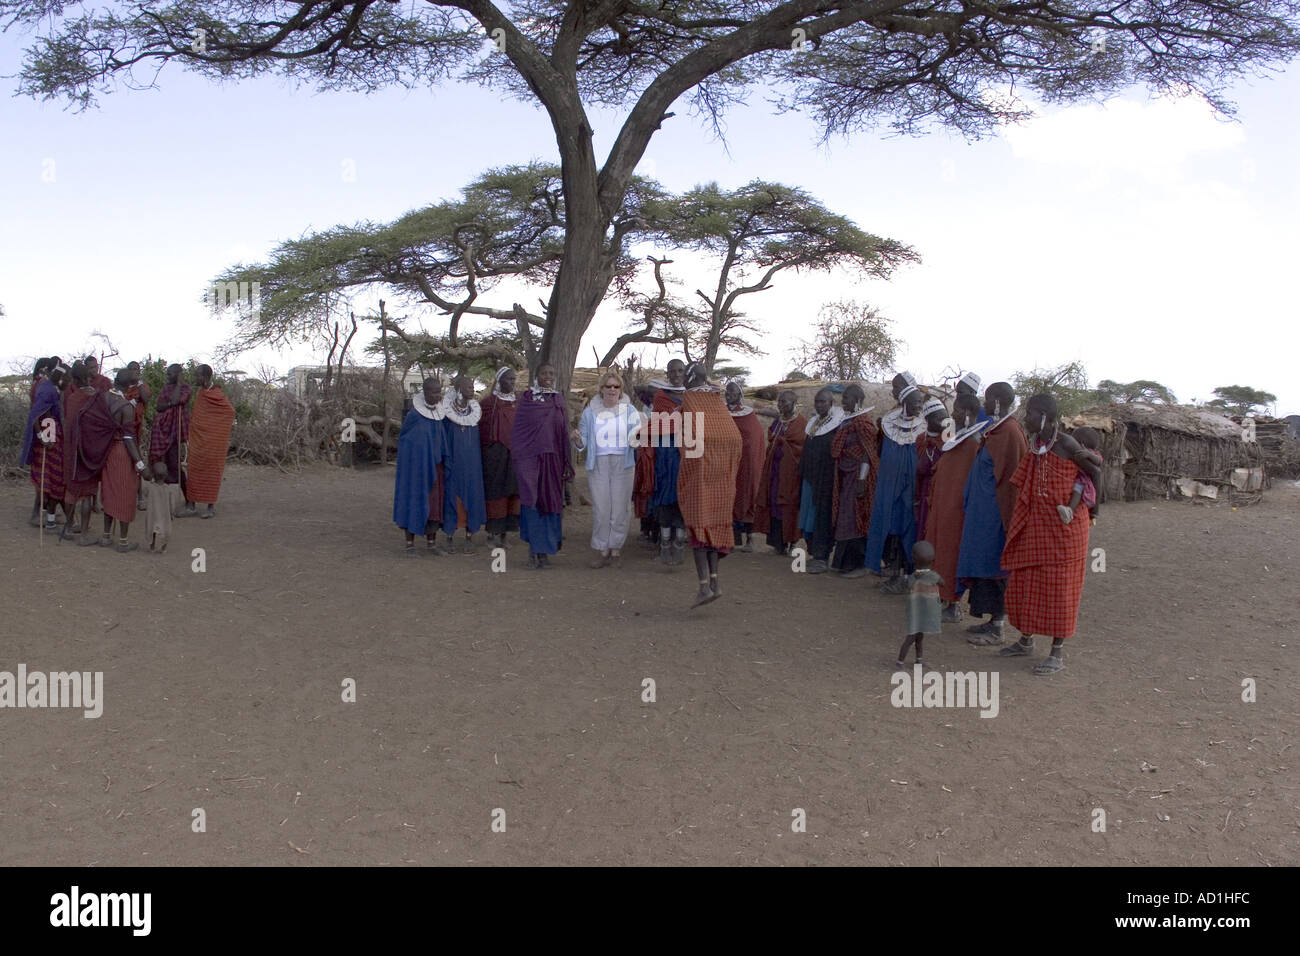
x=1240 y=399
x=13 y=423
x=795 y=375
x=731 y=371
x=853 y=342
x=1143 y=390
x=507 y=224
x=1068 y=383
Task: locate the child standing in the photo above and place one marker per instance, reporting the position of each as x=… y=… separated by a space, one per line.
x=158 y=508
x=1084 y=490
x=923 y=608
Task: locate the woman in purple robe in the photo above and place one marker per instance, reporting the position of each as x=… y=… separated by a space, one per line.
x=539 y=444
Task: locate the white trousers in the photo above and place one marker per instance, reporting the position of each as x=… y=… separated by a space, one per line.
x=611 y=502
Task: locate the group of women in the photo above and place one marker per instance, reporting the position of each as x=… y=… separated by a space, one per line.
x=693 y=463
x=85 y=450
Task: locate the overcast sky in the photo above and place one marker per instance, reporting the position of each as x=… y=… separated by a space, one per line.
x=1147 y=238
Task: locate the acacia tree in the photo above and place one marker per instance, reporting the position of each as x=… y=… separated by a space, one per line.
x=1143 y=390
x=850 y=63
x=754 y=233
x=1240 y=399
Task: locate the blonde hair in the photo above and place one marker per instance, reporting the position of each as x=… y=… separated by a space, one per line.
x=616 y=375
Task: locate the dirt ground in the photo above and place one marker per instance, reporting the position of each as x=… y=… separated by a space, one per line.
x=523 y=691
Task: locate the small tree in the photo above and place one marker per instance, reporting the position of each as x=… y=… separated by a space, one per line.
x=1240 y=399
x=853 y=342
x=1068 y=383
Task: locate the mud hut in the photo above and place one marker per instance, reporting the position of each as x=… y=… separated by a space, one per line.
x=1165 y=451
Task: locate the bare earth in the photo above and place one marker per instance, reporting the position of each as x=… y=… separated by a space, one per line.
x=523 y=691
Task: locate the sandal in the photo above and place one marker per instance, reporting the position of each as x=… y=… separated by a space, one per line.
x=106 y=541
x=703 y=598
x=409 y=552
x=1016 y=650
x=713 y=585
x=987 y=639
x=1049 y=666
x=124 y=548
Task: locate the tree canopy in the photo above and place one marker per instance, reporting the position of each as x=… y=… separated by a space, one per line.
x=851 y=64
x=508 y=224
x=1143 y=390
x=1240 y=399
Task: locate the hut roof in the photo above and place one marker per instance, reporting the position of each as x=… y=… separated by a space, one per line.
x=1186 y=419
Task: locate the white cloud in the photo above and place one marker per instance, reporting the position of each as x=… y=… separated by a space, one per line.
x=1153 y=138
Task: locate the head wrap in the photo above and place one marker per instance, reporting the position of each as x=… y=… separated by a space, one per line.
x=909 y=388
x=932 y=406
x=971 y=380
x=496 y=385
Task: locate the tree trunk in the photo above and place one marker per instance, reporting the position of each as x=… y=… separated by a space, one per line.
x=585 y=271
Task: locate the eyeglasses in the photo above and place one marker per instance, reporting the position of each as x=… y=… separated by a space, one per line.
x=617 y=388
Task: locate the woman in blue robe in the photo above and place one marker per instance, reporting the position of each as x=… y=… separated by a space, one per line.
x=891 y=531
x=417 y=489
x=462 y=464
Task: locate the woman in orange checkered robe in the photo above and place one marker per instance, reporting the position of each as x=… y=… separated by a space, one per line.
x=1047 y=557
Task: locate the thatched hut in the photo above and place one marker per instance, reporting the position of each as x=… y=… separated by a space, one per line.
x=1162 y=451
x=1279 y=446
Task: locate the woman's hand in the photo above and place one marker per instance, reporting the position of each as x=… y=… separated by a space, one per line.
x=575 y=436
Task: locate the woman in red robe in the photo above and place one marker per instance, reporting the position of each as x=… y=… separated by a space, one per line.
x=1047 y=556
x=856 y=466
x=943 y=504
x=499 y=485
x=777 y=511
x=210 y=425
x=753 y=442
x=80 y=485
x=929 y=448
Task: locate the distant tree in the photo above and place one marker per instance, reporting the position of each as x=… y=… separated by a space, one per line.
x=853 y=342
x=1143 y=390
x=1240 y=399
x=1068 y=383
